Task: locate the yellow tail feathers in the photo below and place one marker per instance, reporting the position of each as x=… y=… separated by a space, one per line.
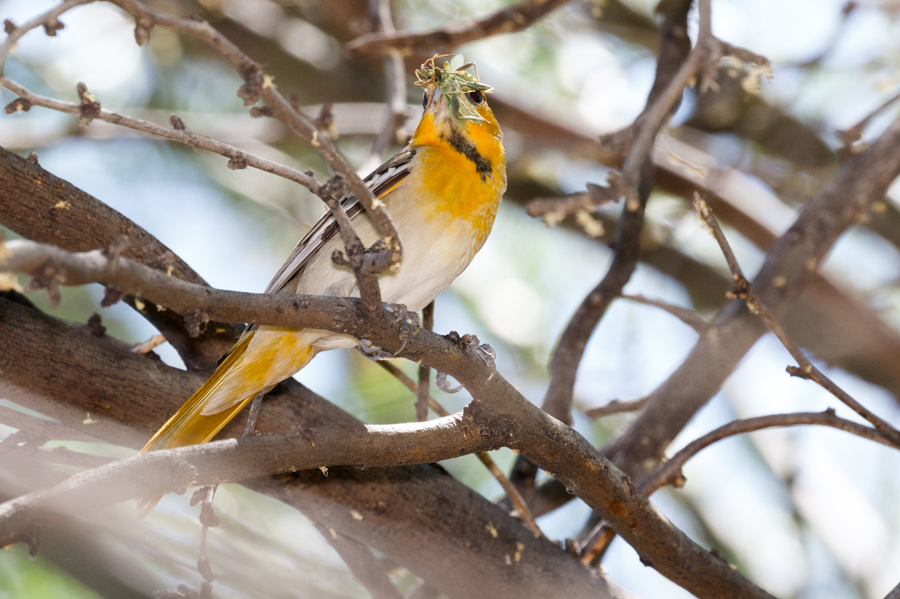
x=248 y=369
x=257 y=362
x=188 y=426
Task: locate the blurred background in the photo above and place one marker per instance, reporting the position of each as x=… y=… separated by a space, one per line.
x=803 y=512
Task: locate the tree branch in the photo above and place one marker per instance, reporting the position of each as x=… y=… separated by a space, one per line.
x=40 y=206
x=417 y=515
x=743 y=290
x=688 y=317
x=49 y=20
x=676 y=65
x=670 y=472
x=478 y=428
x=178 y=132
x=506 y=20
x=485 y=424
x=366 y=263
x=616 y=406
x=788 y=269
x=852 y=135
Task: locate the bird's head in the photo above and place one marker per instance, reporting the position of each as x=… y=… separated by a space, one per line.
x=457 y=112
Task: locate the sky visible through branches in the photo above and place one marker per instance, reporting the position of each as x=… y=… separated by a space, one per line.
x=804 y=512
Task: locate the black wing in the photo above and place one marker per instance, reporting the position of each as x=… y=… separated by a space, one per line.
x=380 y=181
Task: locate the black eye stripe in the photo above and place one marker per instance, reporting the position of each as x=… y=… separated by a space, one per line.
x=425 y=100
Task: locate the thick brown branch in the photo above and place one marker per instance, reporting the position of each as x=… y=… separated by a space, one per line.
x=40 y=206
x=157 y=289
x=428 y=514
x=515 y=499
x=506 y=20
x=486 y=424
x=480 y=427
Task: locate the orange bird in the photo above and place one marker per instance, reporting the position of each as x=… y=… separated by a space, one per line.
x=442 y=192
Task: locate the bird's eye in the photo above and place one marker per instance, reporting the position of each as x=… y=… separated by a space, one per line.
x=476 y=97
x=425 y=100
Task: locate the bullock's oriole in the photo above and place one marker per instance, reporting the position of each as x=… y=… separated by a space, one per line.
x=442 y=192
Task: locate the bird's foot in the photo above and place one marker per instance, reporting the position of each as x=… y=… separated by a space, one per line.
x=469 y=344
x=373 y=352
x=410 y=324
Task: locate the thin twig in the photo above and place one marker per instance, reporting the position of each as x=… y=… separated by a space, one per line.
x=806 y=368
x=208 y=519
x=366 y=263
x=852 y=134
x=688 y=317
x=147 y=346
x=172 y=133
x=422 y=391
x=506 y=20
x=670 y=472
x=554 y=210
x=253 y=414
x=616 y=406
x=519 y=505
x=49 y=20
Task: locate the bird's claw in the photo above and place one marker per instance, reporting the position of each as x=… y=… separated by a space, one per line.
x=469 y=343
x=409 y=326
x=444 y=384
x=487 y=353
x=373 y=352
